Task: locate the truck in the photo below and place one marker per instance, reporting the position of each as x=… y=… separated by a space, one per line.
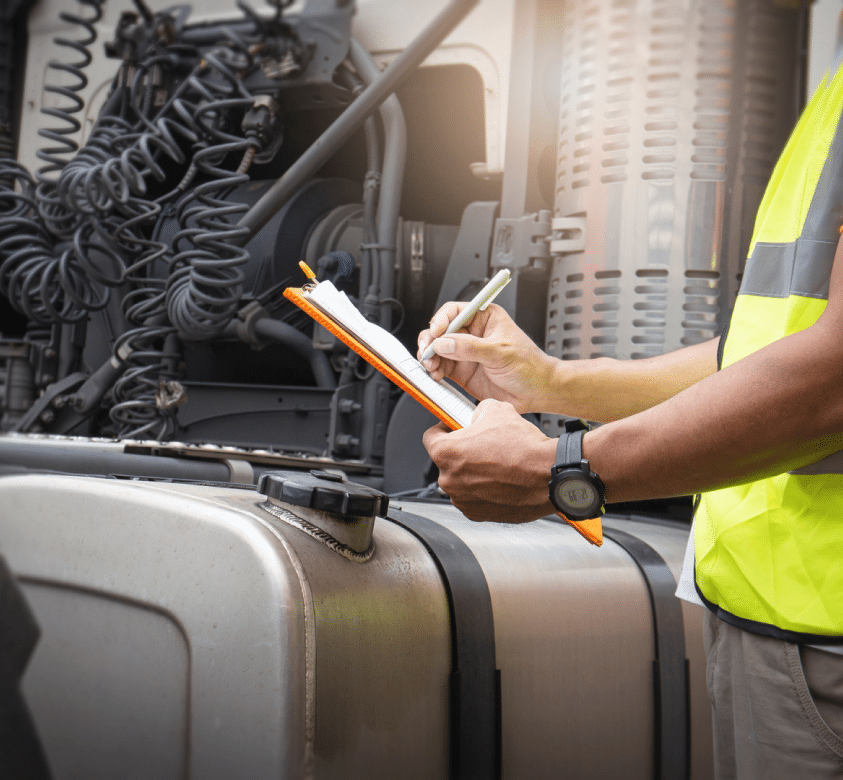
x=224 y=549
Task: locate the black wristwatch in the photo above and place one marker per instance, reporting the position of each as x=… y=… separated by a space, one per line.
x=575 y=490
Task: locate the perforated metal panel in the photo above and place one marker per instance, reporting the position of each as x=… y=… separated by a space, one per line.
x=673 y=113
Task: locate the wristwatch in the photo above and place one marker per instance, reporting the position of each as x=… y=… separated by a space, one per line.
x=575 y=490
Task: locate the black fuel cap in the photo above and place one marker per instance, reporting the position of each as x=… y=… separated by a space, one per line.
x=324 y=490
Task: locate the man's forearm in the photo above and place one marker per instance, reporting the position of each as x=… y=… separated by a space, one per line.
x=604 y=389
x=761 y=416
x=778 y=409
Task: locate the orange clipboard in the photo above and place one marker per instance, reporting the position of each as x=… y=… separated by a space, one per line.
x=591 y=530
x=298 y=297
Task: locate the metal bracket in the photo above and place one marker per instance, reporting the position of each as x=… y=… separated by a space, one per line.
x=568 y=235
x=417 y=261
x=417 y=249
x=470 y=257
x=51 y=409
x=523 y=242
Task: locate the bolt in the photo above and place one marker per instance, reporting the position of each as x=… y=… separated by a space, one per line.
x=346 y=441
x=47 y=416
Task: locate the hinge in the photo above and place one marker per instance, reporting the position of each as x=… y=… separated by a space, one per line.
x=522 y=243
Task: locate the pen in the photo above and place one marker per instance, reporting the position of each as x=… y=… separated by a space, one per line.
x=478 y=303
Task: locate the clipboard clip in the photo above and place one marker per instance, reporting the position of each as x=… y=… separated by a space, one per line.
x=310 y=285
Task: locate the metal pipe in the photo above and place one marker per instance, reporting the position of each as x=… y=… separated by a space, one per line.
x=370 y=202
x=347 y=123
x=369 y=271
x=101 y=458
x=392 y=178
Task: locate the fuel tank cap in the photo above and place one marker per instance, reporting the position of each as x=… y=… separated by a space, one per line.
x=324 y=490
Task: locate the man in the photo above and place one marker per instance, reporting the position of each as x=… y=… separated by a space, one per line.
x=754 y=423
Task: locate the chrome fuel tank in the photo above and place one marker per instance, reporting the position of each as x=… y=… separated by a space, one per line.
x=205 y=631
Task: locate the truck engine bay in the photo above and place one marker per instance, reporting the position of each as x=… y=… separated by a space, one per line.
x=169 y=421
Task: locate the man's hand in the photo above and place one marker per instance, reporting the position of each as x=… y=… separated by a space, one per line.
x=496 y=469
x=493 y=359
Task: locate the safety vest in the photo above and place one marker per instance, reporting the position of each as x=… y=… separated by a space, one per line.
x=769 y=554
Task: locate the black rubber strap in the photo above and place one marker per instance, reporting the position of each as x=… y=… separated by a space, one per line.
x=569 y=449
x=475 y=679
x=670 y=666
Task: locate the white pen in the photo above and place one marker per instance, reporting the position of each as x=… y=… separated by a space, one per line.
x=478 y=303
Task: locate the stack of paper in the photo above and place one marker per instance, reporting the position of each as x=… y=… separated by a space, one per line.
x=337 y=306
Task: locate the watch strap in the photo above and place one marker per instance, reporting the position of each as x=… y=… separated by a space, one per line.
x=569 y=449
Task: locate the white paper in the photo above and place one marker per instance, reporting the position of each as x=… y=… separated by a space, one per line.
x=337 y=305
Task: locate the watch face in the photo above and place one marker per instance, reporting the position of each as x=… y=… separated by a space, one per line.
x=576 y=494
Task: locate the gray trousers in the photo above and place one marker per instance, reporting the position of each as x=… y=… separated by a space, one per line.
x=778 y=707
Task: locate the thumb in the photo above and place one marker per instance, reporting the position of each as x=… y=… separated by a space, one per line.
x=465 y=347
x=433 y=436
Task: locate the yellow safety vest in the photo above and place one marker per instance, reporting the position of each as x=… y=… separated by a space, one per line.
x=769 y=554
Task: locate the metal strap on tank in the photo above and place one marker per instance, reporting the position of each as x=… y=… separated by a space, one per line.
x=475 y=679
x=670 y=666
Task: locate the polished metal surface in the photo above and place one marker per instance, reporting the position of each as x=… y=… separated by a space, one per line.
x=573 y=633
x=382 y=655
x=188 y=633
x=186 y=624
x=352 y=540
x=162 y=653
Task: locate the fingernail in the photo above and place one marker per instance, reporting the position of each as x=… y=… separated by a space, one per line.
x=445 y=346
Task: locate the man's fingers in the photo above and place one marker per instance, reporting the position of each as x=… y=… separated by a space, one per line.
x=488 y=406
x=433 y=436
x=442 y=319
x=465 y=347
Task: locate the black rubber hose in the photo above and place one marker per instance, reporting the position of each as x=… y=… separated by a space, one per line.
x=337 y=265
x=297 y=341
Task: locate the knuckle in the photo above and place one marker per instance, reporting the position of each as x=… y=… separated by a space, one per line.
x=443 y=317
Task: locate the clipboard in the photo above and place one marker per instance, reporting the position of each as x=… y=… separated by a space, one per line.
x=591 y=529
x=300 y=298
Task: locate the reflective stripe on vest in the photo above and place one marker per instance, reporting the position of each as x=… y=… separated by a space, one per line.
x=769 y=554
